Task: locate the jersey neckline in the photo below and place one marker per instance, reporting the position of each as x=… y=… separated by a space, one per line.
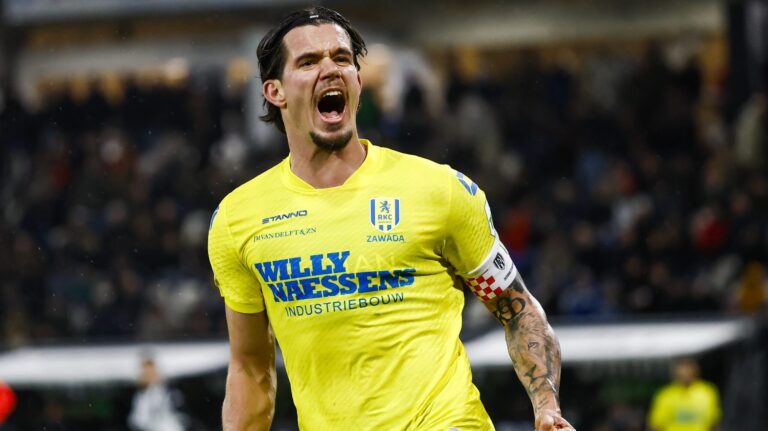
x=294 y=182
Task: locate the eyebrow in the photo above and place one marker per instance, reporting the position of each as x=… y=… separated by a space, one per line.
x=318 y=54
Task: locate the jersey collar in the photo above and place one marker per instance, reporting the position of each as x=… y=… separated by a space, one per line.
x=293 y=182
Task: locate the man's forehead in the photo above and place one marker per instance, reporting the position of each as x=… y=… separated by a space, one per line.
x=308 y=38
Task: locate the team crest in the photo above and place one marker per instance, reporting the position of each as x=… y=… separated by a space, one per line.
x=385 y=213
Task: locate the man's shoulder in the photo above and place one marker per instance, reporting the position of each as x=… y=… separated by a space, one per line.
x=705 y=386
x=669 y=390
x=261 y=186
x=400 y=163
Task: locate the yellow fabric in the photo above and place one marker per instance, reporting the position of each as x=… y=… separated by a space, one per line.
x=367 y=317
x=679 y=408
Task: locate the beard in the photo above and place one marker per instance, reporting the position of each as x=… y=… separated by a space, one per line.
x=333 y=143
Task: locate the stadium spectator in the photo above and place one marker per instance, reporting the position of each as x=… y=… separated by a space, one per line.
x=154 y=405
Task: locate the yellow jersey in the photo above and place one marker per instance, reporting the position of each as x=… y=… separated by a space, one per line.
x=679 y=408
x=359 y=284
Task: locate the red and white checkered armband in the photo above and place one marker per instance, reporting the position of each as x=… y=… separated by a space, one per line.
x=494 y=275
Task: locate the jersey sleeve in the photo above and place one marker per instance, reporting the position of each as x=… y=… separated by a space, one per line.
x=238 y=285
x=472 y=246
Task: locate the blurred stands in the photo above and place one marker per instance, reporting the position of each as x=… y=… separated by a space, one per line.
x=619 y=188
x=107 y=215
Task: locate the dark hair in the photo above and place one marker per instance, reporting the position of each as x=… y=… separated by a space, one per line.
x=271 y=51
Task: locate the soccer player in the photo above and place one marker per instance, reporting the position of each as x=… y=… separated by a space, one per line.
x=688 y=403
x=352 y=255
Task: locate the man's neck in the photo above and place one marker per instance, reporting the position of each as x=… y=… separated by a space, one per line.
x=322 y=168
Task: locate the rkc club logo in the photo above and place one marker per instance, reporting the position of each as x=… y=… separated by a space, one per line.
x=385 y=213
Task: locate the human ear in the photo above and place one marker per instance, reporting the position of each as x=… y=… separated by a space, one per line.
x=273 y=92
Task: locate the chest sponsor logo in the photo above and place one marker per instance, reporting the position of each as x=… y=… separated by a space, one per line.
x=388 y=237
x=285 y=233
x=385 y=213
x=298 y=279
x=285 y=216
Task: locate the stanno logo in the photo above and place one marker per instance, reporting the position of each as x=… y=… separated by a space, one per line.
x=385 y=213
x=274 y=218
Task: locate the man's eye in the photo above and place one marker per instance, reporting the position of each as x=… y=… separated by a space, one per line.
x=306 y=63
x=342 y=59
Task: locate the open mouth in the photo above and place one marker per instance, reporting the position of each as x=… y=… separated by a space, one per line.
x=331 y=105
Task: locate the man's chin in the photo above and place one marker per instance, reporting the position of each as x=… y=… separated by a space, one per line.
x=334 y=141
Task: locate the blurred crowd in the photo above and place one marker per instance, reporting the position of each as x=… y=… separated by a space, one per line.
x=620 y=188
x=624 y=188
x=106 y=214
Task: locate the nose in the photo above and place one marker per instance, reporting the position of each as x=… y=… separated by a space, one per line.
x=329 y=69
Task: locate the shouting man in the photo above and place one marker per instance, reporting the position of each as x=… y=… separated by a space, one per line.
x=352 y=256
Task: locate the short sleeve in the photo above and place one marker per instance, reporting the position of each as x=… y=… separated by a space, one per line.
x=472 y=246
x=238 y=285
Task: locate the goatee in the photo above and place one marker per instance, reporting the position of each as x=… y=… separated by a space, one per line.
x=334 y=143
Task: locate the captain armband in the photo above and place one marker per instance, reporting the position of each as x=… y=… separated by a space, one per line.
x=494 y=275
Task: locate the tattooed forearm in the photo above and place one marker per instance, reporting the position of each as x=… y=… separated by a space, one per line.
x=532 y=344
x=536 y=354
x=508 y=310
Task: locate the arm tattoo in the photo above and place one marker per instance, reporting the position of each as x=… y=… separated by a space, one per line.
x=508 y=309
x=532 y=344
x=518 y=284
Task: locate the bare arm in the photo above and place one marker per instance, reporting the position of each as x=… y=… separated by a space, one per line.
x=533 y=347
x=249 y=403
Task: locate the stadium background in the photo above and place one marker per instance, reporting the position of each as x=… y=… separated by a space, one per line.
x=622 y=145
